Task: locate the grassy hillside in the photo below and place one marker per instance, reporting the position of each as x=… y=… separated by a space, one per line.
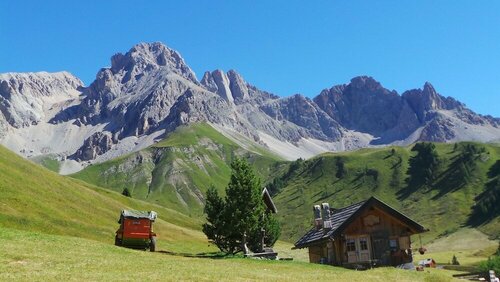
x=177 y=171
x=35 y=199
x=468 y=245
x=50 y=162
x=58 y=228
x=41 y=257
x=443 y=206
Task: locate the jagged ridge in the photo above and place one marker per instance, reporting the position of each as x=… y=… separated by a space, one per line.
x=150 y=91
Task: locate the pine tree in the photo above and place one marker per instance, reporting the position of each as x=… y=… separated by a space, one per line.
x=242 y=213
x=423 y=166
x=214 y=209
x=454 y=260
x=341 y=170
x=243 y=203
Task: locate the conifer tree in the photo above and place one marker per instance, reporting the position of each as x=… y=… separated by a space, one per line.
x=242 y=213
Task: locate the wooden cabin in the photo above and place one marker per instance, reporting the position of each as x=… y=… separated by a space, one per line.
x=367 y=233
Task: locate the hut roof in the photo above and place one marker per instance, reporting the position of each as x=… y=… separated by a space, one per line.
x=269 y=201
x=341 y=218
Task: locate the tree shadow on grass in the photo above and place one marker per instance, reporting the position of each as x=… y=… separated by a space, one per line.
x=454 y=178
x=207 y=255
x=407 y=191
x=487 y=205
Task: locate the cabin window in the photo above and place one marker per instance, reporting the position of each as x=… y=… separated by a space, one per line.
x=351 y=245
x=393 y=244
x=363 y=244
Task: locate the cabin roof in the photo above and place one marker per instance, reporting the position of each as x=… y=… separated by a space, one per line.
x=341 y=218
x=269 y=201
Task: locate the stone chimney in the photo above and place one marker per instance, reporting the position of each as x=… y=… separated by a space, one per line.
x=325 y=214
x=318 y=221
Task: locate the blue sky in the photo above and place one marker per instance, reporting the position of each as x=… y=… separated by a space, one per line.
x=284 y=47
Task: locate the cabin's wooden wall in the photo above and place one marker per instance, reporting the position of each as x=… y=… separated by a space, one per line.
x=387 y=225
x=387 y=228
x=326 y=253
x=316 y=253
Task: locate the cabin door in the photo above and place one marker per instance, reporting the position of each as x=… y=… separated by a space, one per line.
x=358 y=249
x=364 y=248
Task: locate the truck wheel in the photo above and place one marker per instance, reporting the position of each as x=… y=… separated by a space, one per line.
x=152 y=245
x=118 y=242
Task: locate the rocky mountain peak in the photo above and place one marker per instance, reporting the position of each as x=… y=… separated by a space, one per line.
x=145 y=57
x=431 y=97
x=39 y=82
x=238 y=85
x=424 y=100
x=230 y=86
x=218 y=82
x=208 y=82
x=365 y=83
x=149 y=91
x=429 y=88
x=25 y=97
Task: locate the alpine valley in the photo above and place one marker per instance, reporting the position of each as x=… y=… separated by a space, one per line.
x=146 y=123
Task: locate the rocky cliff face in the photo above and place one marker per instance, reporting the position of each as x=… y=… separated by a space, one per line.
x=362 y=105
x=150 y=91
x=365 y=106
x=97 y=144
x=25 y=98
x=135 y=94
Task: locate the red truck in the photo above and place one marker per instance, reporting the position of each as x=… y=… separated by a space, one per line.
x=136 y=230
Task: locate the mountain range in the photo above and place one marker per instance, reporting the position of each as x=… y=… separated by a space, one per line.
x=150 y=91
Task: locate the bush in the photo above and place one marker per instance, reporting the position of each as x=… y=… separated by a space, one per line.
x=493 y=263
x=126 y=193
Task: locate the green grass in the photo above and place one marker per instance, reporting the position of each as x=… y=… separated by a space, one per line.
x=177 y=171
x=469 y=246
x=58 y=228
x=443 y=208
x=40 y=257
x=50 y=162
x=35 y=199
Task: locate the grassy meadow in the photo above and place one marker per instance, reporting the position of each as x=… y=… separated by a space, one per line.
x=41 y=257
x=35 y=199
x=56 y=228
